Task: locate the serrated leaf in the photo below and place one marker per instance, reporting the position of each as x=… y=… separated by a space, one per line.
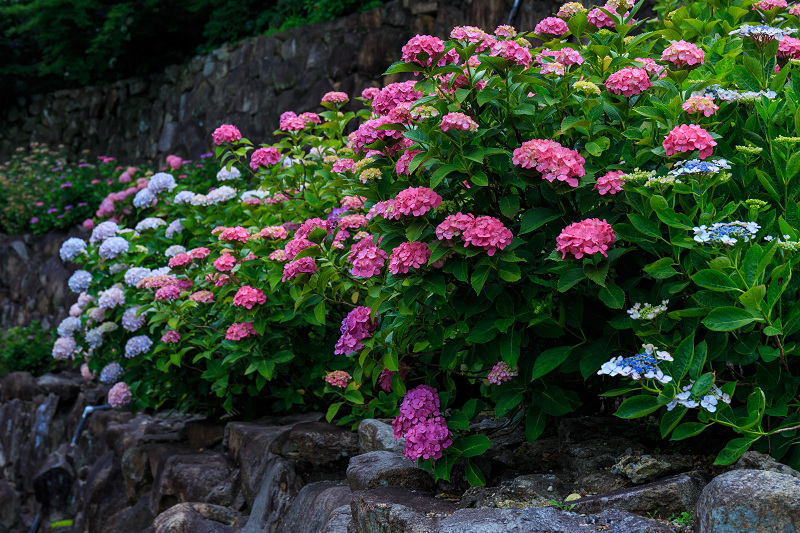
x=727 y=319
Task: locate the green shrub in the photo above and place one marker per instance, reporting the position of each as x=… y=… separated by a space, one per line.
x=27 y=349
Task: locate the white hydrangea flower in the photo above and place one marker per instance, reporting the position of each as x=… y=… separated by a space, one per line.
x=174 y=250
x=79 y=281
x=72 y=248
x=111 y=298
x=220 y=195
x=175 y=228
x=104 y=230
x=137 y=345
x=136 y=274
x=149 y=223
x=161 y=182
x=64 y=348
x=258 y=193
x=69 y=326
x=113 y=247
x=227 y=175
x=184 y=197
x=199 y=199
x=143 y=199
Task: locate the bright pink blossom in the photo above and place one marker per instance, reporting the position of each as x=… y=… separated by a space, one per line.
x=767 y=5
x=554 y=161
x=687 y=138
x=551 y=26
x=458 y=121
x=421 y=424
x=586 y=237
x=385 y=209
x=88 y=224
x=422 y=44
x=174 y=162
x=353 y=202
x=416 y=201
x=273 y=233
x=338 y=378
x=264 y=157
x=629 y=81
x=505 y=31
x=356 y=327
x=454 y=226
x=700 y=104
x=683 y=54
x=370 y=93
x=304 y=265
x=566 y=56
x=393 y=94
x=295 y=246
x=789 y=48
x=335 y=97
x=367 y=259
x=168 y=293
x=609 y=183
x=225 y=262
x=368 y=133
x=248 y=296
x=291 y=122
x=353 y=222
x=343 y=165
x=226 y=134
x=403 y=164
x=408 y=255
x=235 y=234
x=180 y=260
x=240 y=330
x=501 y=372
x=199 y=253
x=171 y=337
x=488 y=233
x=309 y=117
x=653 y=68
x=512 y=51
x=471 y=34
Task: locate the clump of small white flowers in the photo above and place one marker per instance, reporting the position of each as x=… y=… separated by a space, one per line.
x=161 y=182
x=113 y=247
x=257 y=193
x=637 y=176
x=707 y=401
x=647 y=311
x=149 y=223
x=72 y=248
x=662 y=180
x=175 y=228
x=184 y=197
x=174 y=250
x=227 y=175
x=217 y=196
x=104 y=230
x=639 y=366
x=787 y=140
x=726 y=232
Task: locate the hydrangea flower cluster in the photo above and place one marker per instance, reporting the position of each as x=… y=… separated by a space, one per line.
x=367 y=259
x=707 y=401
x=79 y=281
x=264 y=157
x=643 y=365
x=421 y=425
x=226 y=134
x=458 y=121
x=119 y=395
x=223 y=175
x=64 y=348
x=304 y=265
x=766 y=5
x=551 y=27
x=335 y=97
x=683 y=54
x=408 y=255
x=700 y=104
x=385 y=379
x=570 y=9
x=235 y=234
x=726 y=232
x=161 y=182
x=225 y=262
x=652 y=68
x=687 y=138
x=137 y=345
x=111 y=298
x=248 y=296
x=423 y=44
x=104 y=230
x=789 y=48
x=130 y=320
x=501 y=373
x=171 y=337
x=696 y=166
x=586 y=237
x=168 y=293
x=240 y=330
x=394 y=94
x=87 y=374
x=629 y=81
x=68 y=326
x=554 y=161
x=203 y=297
x=647 y=311
x=175 y=228
x=762 y=33
x=72 y=248
x=488 y=233
x=609 y=183
x=513 y=52
x=113 y=248
x=110 y=373
x=356 y=327
x=416 y=201
x=338 y=378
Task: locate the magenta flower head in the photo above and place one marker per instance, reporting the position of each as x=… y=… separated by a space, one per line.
x=551 y=27
x=171 y=337
x=304 y=265
x=416 y=201
x=458 y=121
x=119 y=395
x=356 y=327
x=336 y=98
x=264 y=157
x=422 y=44
x=609 y=183
x=248 y=296
x=489 y=233
x=683 y=54
x=629 y=81
x=367 y=259
x=501 y=372
x=422 y=425
x=554 y=161
x=586 y=237
x=408 y=255
x=226 y=134
x=338 y=378
x=241 y=330
x=687 y=138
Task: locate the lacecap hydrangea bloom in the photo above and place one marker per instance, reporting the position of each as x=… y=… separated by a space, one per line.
x=72 y=248
x=554 y=161
x=687 y=138
x=647 y=311
x=707 y=401
x=110 y=373
x=628 y=81
x=501 y=372
x=408 y=255
x=586 y=237
x=119 y=395
x=643 y=365
x=338 y=378
x=356 y=327
x=137 y=346
x=726 y=232
x=79 y=281
x=226 y=134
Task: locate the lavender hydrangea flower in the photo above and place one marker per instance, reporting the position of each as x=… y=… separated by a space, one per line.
x=136 y=274
x=79 y=281
x=161 y=182
x=130 y=321
x=113 y=247
x=69 y=326
x=72 y=248
x=110 y=373
x=143 y=199
x=149 y=223
x=137 y=345
x=104 y=230
x=175 y=228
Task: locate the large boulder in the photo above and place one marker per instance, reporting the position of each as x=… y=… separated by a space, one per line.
x=752 y=460
x=386 y=469
x=195 y=518
x=9 y=510
x=65 y=385
x=312 y=508
x=17 y=385
x=188 y=477
x=397 y=510
x=643 y=468
x=590 y=444
x=248 y=446
x=752 y=501
x=374 y=435
x=280 y=484
x=317 y=444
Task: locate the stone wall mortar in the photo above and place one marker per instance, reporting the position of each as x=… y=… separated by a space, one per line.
x=249 y=83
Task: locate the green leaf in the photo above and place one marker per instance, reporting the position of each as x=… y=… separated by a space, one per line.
x=638 y=406
x=727 y=319
x=714 y=280
x=354 y=396
x=687 y=430
x=474 y=445
x=509 y=206
x=535 y=424
x=612 y=296
x=570 y=278
x=332 y=410
x=670 y=419
x=458 y=421
x=596 y=273
x=734 y=449
x=509 y=272
x=682 y=358
x=400 y=66
x=482 y=332
x=661 y=269
x=549 y=360
x=506 y=402
x=535 y=218
x=441 y=173
x=702 y=384
x=390 y=361
x=479 y=277
x=645 y=225
x=474 y=475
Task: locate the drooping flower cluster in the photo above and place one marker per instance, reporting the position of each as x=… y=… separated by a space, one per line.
x=629 y=81
x=240 y=330
x=643 y=365
x=700 y=104
x=687 y=138
x=338 y=378
x=501 y=372
x=248 y=296
x=609 y=183
x=367 y=259
x=586 y=237
x=408 y=255
x=683 y=54
x=119 y=395
x=647 y=311
x=707 y=401
x=726 y=232
x=137 y=346
x=356 y=327
x=554 y=161
x=421 y=424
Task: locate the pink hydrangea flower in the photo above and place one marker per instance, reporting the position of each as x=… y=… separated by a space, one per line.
x=683 y=54
x=199 y=253
x=226 y=134
x=237 y=233
x=353 y=202
x=264 y=157
x=119 y=395
x=393 y=94
x=295 y=246
x=488 y=233
x=343 y=165
x=304 y=265
x=559 y=69
x=338 y=378
x=609 y=183
x=385 y=379
x=767 y=5
x=248 y=296
x=566 y=56
x=353 y=222
x=471 y=34
x=338 y=240
x=700 y=104
x=586 y=237
x=278 y=255
x=570 y=9
x=687 y=138
x=416 y=201
x=422 y=44
x=310 y=117
x=174 y=162
x=422 y=425
x=273 y=233
x=368 y=133
x=512 y=51
x=501 y=372
x=454 y=225
x=554 y=161
x=88 y=224
x=252 y=201
x=628 y=81
x=505 y=31
x=87 y=374
x=551 y=26
x=171 y=337
x=240 y=330
x=794 y=9
x=653 y=68
x=168 y=293
x=385 y=209
x=203 y=297
x=419 y=404
x=403 y=164
x=370 y=93
x=291 y=122
x=180 y=260
x=408 y=255
x=225 y=263
x=367 y=259
x=458 y=121
x=356 y=327
x=335 y=97
x=599 y=18
x=789 y=48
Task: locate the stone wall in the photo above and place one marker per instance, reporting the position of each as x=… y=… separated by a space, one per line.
x=248 y=84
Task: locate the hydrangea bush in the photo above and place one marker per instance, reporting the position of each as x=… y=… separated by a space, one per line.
x=517 y=228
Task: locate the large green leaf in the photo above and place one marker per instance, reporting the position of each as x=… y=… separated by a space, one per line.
x=474 y=445
x=638 y=406
x=549 y=360
x=727 y=319
x=715 y=280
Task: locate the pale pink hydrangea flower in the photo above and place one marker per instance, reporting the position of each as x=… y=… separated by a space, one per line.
x=253 y=201
x=369 y=93
x=64 y=348
x=88 y=224
x=240 y=330
x=629 y=81
x=226 y=134
x=609 y=183
x=551 y=26
x=416 y=201
x=683 y=54
x=559 y=69
x=304 y=265
x=687 y=138
x=353 y=202
x=458 y=121
x=119 y=395
x=367 y=259
x=700 y=104
x=278 y=255
x=353 y=222
x=393 y=94
x=488 y=233
x=203 y=297
x=767 y=5
x=225 y=263
x=234 y=234
x=403 y=164
x=335 y=97
x=408 y=255
x=264 y=157
x=599 y=18
x=180 y=260
x=356 y=327
x=653 y=68
x=310 y=117
x=794 y=10
x=338 y=378
x=586 y=237
x=471 y=34
x=501 y=372
x=512 y=51
x=419 y=44
x=566 y=56
x=368 y=133
x=87 y=374
x=789 y=48
x=248 y=296
x=171 y=337
x=554 y=161
x=217 y=229
x=295 y=246
x=199 y=253
x=454 y=225
x=505 y=31
x=273 y=233
x=343 y=165
x=570 y=9
x=338 y=240
x=385 y=209
x=168 y=293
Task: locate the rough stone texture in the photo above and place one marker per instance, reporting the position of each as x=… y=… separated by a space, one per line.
x=588 y=444
x=667 y=496
x=396 y=510
x=312 y=508
x=374 y=435
x=9 y=510
x=641 y=468
x=18 y=385
x=195 y=518
x=248 y=446
x=752 y=460
x=339 y=521
x=280 y=484
x=317 y=443
x=750 y=501
x=188 y=477
x=386 y=469
x=523 y=491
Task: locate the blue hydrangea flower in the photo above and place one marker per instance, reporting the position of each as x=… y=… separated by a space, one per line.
x=698 y=166
x=726 y=232
x=642 y=365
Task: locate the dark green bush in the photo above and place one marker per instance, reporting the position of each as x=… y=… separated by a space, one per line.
x=27 y=348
